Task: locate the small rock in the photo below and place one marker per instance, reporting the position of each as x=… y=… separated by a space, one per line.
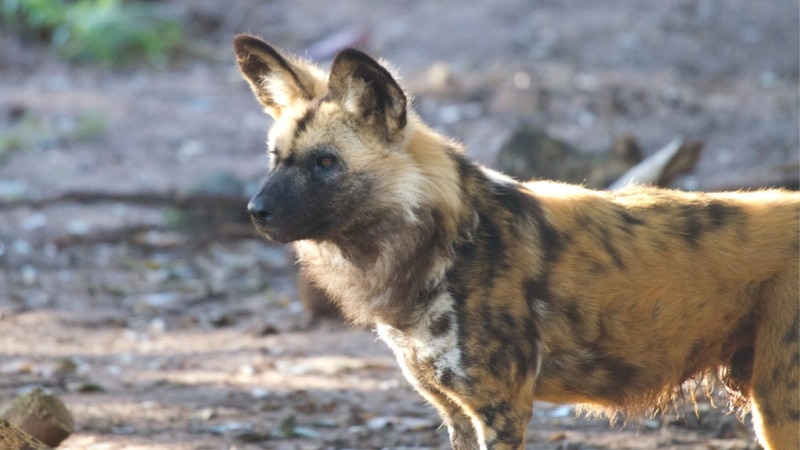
x=85 y=387
x=767 y=79
x=190 y=149
x=40 y=414
x=29 y=275
x=63 y=367
x=21 y=247
x=13 y=189
x=161 y=299
x=205 y=414
x=247 y=370
x=77 y=227
x=158 y=325
x=325 y=423
x=562 y=411
x=123 y=429
x=652 y=424
x=304 y=432
x=259 y=393
x=231 y=427
x=33 y=222
x=522 y=80
x=401 y=423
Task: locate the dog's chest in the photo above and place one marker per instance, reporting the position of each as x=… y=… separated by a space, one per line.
x=428 y=352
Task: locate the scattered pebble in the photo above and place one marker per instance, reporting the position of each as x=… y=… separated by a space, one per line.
x=13 y=189
x=77 y=227
x=401 y=423
x=33 y=222
x=29 y=275
x=562 y=411
x=767 y=79
x=158 y=325
x=522 y=80
x=230 y=427
x=259 y=393
x=161 y=299
x=21 y=247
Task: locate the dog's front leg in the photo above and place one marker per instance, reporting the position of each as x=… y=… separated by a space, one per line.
x=462 y=433
x=499 y=424
x=502 y=424
x=459 y=424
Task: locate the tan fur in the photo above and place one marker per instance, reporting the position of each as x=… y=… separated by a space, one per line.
x=493 y=293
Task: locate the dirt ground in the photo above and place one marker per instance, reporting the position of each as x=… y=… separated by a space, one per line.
x=161 y=330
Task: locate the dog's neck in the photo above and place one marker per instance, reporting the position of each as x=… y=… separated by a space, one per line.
x=373 y=278
x=388 y=269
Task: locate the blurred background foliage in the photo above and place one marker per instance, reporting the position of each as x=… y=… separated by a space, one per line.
x=111 y=33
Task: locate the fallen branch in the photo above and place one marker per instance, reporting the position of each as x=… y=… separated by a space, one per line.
x=676 y=158
x=174 y=199
x=160 y=237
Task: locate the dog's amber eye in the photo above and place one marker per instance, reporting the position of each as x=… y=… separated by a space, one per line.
x=326 y=161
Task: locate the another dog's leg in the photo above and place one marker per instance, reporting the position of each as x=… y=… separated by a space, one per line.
x=776 y=366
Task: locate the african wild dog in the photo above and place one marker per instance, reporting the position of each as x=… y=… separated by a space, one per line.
x=493 y=293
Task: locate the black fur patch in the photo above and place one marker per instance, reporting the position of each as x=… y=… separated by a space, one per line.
x=536 y=290
x=512 y=199
x=441 y=325
x=792 y=336
x=382 y=97
x=629 y=219
x=254 y=67
x=446 y=378
x=523 y=205
x=719 y=213
x=605 y=237
x=573 y=313
x=741 y=369
x=620 y=372
x=491 y=413
x=700 y=219
x=628 y=222
x=302 y=124
x=692 y=227
x=493 y=249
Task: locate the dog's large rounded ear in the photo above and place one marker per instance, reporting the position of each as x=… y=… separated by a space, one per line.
x=365 y=88
x=278 y=81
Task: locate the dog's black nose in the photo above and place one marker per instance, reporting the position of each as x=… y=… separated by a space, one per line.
x=258 y=209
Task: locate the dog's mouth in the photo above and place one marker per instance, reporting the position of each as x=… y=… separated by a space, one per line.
x=279 y=233
x=268 y=230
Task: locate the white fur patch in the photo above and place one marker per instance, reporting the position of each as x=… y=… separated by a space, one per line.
x=419 y=344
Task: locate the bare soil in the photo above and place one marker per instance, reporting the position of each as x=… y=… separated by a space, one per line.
x=160 y=329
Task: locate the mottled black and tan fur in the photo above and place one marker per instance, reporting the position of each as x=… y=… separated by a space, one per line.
x=493 y=293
